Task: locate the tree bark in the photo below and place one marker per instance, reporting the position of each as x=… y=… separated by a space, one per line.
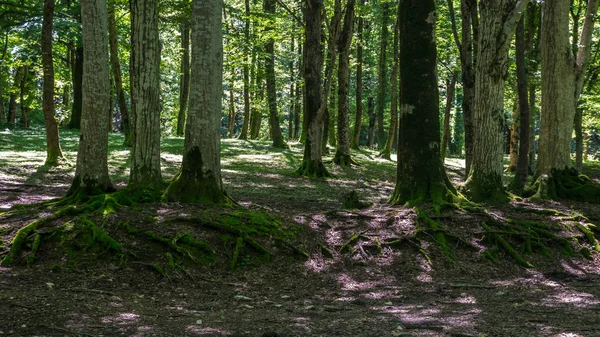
x=290 y=132
x=312 y=161
x=421 y=176
x=199 y=179
x=275 y=128
x=11 y=118
x=355 y=143
x=498 y=21
x=513 y=140
x=77 y=76
x=184 y=78
x=299 y=93
x=116 y=70
x=246 y=69
x=145 y=170
x=372 y=119
x=450 y=89
x=53 y=150
x=387 y=150
x=382 y=74
x=231 y=122
x=342 y=153
x=91 y=173
x=522 y=88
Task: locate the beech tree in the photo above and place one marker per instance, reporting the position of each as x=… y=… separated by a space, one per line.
x=498 y=22
x=421 y=176
x=562 y=83
x=91 y=173
x=145 y=92
x=53 y=150
x=275 y=128
x=199 y=179
x=118 y=78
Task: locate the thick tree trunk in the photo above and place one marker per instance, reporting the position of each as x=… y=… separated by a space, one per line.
x=382 y=74
x=199 y=179
x=522 y=88
x=145 y=92
x=355 y=143
x=275 y=128
x=342 y=153
x=312 y=162
x=184 y=77
x=246 y=69
x=421 y=175
x=116 y=70
x=53 y=150
x=450 y=89
x=387 y=150
x=498 y=20
x=372 y=119
x=77 y=76
x=91 y=173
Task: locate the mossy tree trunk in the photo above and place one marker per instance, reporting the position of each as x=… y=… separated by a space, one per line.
x=275 y=129
x=392 y=133
x=145 y=92
x=53 y=150
x=246 y=71
x=118 y=78
x=77 y=78
x=355 y=142
x=421 y=175
x=184 y=77
x=342 y=153
x=199 y=180
x=498 y=21
x=91 y=173
x=312 y=162
x=562 y=82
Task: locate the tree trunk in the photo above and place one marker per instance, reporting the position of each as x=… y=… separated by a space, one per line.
x=77 y=75
x=329 y=136
x=382 y=77
x=91 y=173
x=498 y=20
x=199 y=179
x=290 y=133
x=53 y=150
x=513 y=133
x=312 y=162
x=387 y=150
x=184 y=77
x=24 y=97
x=342 y=153
x=299 y=93
x=145 y=92
x=421 y=176
x=275 y=128
x=579 y=139
x=246 y=69
x=256 y=111
x=355 y=143
x=372 y=119
x=450 y=89
x=11 y=118
x=231 y=122
x=522 y=88
x=116 y=70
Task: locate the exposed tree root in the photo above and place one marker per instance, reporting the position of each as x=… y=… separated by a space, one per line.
x=344 y=160
x=564 y=184
x=313 y=169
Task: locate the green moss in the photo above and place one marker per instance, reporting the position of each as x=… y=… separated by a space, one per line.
x=239 y=243
x=507 y=247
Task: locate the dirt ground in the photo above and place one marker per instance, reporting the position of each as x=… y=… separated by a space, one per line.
x=392 y=292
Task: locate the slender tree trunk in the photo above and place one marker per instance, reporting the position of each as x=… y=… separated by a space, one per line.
x=579 y=139
x=275 y=128
x=231 y=122
x=77 y=75
x=421 y=176
x=91 y=173
x=330 y=118
x=372 y=119
x=382 y=77
x=498 y=21
x=290 y=133
x=246 y=69
x=355 y=143
x=145 y=92
x=116 y=70
x=24 y=120
x=312 y=162
x=522 y=88
x=514 y=138
x=256 y=111
x=342 y=154
x=387 y=150
x=184 y=77
x=199 y=179
x=299 y=92
x=53 y=150
x=12 y=103
x=450 y=89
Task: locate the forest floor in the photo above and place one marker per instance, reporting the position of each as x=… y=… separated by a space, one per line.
x=369 y=289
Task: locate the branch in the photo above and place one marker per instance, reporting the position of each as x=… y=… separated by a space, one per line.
x=454 y=29
x=290 y=12
x=585 y=45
